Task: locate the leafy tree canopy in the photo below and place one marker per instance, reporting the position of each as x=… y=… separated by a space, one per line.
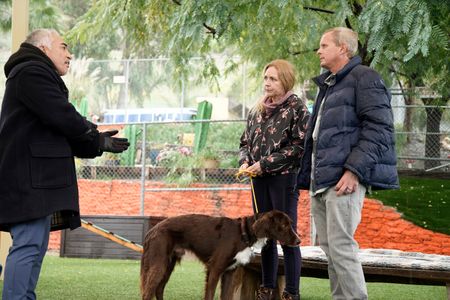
x=259 y=31
x=43 y=14
x=411 y=39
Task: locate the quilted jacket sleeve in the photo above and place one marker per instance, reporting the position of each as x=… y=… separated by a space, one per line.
x=377 y=132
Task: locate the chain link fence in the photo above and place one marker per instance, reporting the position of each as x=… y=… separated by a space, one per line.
x=423 y=137
x=96 y=86
x=170 y=157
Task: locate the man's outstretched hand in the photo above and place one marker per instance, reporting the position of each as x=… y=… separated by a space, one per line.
x=108 y=143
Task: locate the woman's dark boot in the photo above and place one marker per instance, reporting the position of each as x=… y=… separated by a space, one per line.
x=264 y=293
x=287 y=296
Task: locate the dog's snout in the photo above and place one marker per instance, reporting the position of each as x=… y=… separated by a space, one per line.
x=292 y=240
x=296 y=241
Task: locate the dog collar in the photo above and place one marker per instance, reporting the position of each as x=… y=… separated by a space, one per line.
x=244 y=234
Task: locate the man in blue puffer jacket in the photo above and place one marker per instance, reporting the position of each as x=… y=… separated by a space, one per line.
x=349 y=148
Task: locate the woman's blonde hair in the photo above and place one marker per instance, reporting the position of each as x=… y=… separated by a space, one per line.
x=286 y=74
x=346 y=36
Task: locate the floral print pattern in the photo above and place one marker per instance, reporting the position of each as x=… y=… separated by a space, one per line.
x=275 y=140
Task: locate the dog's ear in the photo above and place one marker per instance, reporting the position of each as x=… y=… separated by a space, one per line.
x=262 y=225
x=265 y=223
x=281 y=217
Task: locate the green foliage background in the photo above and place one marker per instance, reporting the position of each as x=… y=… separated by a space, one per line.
x=393 y=34
x=423 y=201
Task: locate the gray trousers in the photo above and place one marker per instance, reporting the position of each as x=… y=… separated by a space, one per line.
x=336 y=219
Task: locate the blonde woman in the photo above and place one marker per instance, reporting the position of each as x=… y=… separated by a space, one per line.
x=271 y=147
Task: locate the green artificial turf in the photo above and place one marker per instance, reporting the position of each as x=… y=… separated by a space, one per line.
x=102 y=279
x=423 y=201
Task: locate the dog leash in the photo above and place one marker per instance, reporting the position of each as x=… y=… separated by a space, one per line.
x=250 y=175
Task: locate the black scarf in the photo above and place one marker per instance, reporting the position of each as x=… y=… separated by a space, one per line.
x=27 y=52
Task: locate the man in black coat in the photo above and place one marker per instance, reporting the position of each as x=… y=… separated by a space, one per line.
x=349 y=148
x=40 y=133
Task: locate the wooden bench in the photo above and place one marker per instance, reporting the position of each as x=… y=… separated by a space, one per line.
x=379 y=265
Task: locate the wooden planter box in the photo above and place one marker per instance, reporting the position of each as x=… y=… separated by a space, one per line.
x=82 y=243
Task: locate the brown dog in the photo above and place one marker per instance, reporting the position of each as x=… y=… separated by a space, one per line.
x=220 y=243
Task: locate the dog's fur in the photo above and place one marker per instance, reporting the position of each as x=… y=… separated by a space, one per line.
x=220 y=243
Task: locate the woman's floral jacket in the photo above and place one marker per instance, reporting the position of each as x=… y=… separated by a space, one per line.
x=276 y=140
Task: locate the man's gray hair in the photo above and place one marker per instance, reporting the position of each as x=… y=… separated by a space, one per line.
x=346 y=36
x=41 y=37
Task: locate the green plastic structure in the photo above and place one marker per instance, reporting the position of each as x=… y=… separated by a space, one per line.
x=128 y=157
x=204 y=110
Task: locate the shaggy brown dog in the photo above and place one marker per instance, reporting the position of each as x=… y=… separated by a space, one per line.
x=220 y=243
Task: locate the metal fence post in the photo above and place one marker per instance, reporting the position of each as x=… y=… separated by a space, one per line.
x=144 y=133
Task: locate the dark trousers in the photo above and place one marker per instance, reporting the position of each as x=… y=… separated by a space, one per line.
x=279 y=192
x=24 y=261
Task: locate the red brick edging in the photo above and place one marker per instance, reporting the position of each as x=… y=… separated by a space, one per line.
x=381 y=226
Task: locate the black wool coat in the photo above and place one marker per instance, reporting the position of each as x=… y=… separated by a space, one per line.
x=40 y=133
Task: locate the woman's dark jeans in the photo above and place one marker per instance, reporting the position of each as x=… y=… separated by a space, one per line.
x=279 y=192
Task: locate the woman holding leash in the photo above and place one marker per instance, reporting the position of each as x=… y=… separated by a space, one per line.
x=270 y=149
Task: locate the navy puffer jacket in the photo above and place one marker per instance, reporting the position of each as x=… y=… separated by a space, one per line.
x=356 y=131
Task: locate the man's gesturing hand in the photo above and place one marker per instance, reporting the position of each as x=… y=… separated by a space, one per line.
x=112 y=144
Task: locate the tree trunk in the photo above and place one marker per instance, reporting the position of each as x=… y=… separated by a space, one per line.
x=407 y=123
x=409 y=100
x=432 y=145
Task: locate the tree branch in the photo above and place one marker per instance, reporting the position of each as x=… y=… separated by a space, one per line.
x=356 y=8
x=303 y=51
x=318 y=9
x=397 y=72
x=213 y=31
x=347 y=22
x=392 y=69
x=210 y=29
